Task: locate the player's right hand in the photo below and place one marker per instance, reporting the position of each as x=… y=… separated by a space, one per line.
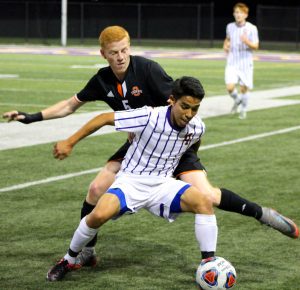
x=62 y=150
x=13 y=116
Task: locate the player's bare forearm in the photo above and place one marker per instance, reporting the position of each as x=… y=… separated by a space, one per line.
x=226 y=45
x=64 y=148
x=92 y=126
x=61 y=109
x=58 y=110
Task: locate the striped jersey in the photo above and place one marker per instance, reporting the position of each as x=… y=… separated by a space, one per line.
x=158 y=145
x=240 y=55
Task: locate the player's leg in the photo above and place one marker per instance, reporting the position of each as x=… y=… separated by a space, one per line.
x=231 y=79
x=173 y=197
x=244 y=101
x=206 y=230
x=98 y=187
x=107 y=207
x=190 y=170
x=222 y=198
x=246 y=84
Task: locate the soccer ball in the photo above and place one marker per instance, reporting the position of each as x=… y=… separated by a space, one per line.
x=215 y=273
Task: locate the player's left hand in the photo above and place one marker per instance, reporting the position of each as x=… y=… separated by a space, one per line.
x=62 y=150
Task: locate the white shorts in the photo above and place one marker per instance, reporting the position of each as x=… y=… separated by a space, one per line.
x=158 y=195
x=244 y=77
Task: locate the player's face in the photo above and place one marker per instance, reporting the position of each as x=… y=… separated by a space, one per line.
x=183 y=110
x=239 y=16
x=117 y=55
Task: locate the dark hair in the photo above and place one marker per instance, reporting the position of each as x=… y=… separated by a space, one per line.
x=187 y=86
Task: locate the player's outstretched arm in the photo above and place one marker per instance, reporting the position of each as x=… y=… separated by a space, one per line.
x=58 y=110
x=64 y=148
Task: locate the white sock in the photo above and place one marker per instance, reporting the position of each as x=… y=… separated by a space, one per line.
x=234 y=95
x=244 y=98
x=206 y=231
x=82 y=236
x=71 y=260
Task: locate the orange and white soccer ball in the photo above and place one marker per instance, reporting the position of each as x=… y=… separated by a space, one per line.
x=215 y=273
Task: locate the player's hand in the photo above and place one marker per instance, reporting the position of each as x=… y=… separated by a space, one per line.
x=244 y=38
x=13 y=116
x=23 y=117
x=226 y=46
x=62 y=150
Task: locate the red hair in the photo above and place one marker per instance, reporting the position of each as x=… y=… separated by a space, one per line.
x=242 y=7
x=111 y=34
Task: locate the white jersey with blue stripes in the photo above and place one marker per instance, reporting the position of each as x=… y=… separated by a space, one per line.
x=158 y=145
x=240 y=55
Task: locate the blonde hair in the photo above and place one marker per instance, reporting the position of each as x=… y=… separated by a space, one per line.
x=111 y=34
x=241 y=6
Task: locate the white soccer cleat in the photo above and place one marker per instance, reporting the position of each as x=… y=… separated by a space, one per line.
x=243 y=114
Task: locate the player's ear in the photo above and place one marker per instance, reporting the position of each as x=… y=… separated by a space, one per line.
x=102 y=53
x=171 y=100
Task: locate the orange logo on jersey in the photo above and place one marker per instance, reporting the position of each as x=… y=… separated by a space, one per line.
x=135 y=91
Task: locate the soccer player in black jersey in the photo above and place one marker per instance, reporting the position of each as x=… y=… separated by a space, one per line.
x=132 y=82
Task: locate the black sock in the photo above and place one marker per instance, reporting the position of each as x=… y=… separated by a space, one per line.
x=85 y=210
x=234 y=203
x=72 y=253
x=205 y=255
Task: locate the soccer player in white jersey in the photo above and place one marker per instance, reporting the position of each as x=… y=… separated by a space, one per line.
x=162 y=135
x=241 y=39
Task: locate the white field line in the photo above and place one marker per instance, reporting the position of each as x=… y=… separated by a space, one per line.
x=250 y=138
x=202 y=148
x=23 y=105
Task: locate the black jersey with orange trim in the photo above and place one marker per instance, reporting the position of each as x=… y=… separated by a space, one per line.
x=145 y=83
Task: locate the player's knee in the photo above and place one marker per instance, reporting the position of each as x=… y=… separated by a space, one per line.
x=213 y=194
x=204 y=205
x=96 y=189
x=96 y=219
x=230 y=88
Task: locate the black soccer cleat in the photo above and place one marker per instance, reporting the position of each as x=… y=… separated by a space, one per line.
x=60 y=269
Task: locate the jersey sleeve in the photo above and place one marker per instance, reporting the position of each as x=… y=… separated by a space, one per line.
x=132 y=120
x=93 y=91
x=160 y=83
x=228 y=31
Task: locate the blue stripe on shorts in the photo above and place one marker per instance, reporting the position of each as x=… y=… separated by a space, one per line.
x=120 y=194
x=175 y=205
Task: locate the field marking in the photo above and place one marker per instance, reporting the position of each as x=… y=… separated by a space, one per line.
x=202 y=148
x=8 y=76
x=97 y=66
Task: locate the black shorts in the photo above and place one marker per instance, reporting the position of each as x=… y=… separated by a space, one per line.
x=188 y=162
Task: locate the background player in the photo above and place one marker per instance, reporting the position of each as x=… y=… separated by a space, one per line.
x=241 y=39
x=162 y=135
x=132 y=82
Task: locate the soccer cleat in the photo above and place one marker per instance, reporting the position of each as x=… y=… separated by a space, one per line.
x=60 y=269
x=272 y=218
x=87 y=257
x=243 y=114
